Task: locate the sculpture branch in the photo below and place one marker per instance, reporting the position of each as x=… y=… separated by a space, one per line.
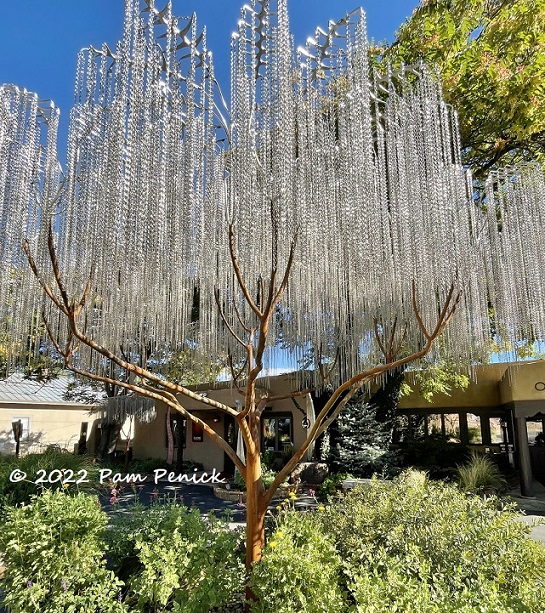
x=224 y=319
x=238 y=273
x=45 y=286
x=346 y=391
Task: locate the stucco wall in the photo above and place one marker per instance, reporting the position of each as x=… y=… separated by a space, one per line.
x=49 y=425
x=483 y=391
x=149 y=439
x=519 y=383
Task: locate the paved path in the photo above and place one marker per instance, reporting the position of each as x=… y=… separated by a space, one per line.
x=533 y=509
x=199 y=496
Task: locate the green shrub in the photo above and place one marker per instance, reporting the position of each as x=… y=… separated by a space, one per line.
x=175 y=559
x=436 y=452
x=52 y=459
x=267 y=475
x=53 y=553
x=480 y=474
x=417 y=545
x=331 y=484
x=299 y=570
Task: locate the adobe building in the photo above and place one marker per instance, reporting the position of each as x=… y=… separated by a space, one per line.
x=501 y=412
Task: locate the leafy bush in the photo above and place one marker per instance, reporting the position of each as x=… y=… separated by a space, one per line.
x=300 y=569
x=52 y=459
x=417 y=545
x=267 y=475
x=480 y=474
x=435 y=452
x=331 y=484
x=53 y=553
x=176 y=560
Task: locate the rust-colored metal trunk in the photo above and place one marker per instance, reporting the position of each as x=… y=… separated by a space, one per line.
x=255 y=514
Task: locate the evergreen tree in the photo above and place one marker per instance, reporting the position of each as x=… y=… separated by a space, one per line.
x=361 y=436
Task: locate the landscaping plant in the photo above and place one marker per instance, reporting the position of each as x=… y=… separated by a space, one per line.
x=174 y=559
x=480 y=475
x=418 y=545
x=300 y=568
x=53 y=551
x=35 y=465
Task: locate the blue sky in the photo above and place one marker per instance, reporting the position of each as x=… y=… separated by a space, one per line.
x=39 y=40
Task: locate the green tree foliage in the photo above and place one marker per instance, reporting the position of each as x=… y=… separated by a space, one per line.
x=190 y=366
x=433 y=378
x=491 y=55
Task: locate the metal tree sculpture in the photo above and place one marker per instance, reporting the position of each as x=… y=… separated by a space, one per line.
x=327 y=207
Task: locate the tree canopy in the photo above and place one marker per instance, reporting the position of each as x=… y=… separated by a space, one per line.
x=491 y=55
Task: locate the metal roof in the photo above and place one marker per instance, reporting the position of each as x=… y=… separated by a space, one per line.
x=17 y=389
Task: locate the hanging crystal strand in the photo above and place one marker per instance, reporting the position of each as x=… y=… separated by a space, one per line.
x=366 y=168
x=29 y=178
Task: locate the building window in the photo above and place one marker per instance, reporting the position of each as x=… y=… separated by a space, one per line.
x=534 y=429
x=435 y=424
x=474 y=430
x=452 y=427
x=277 y=432
x=496 y=432
x=445 y=424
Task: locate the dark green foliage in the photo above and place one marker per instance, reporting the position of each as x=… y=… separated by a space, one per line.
x=435 y=454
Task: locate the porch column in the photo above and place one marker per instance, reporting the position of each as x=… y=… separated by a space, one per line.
x=525 y=468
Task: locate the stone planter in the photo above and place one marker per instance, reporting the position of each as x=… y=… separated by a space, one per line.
x=240 y=496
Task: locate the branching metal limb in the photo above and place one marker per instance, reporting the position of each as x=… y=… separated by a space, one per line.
x=288 y=396
x=127 y=366
x=444 y=314
x=56 y=269
x=86 y=293
x=417 y=313
x=346 y=391
x=240 y=320
x=238 y=273
x=169 y=399
x=49 y=331
x=392 y=338
x=45 y=286
x=319 y=426
x=235 y=376
x=325 y=375
x=289 y=266
x=378 y=338
x=262 y=287
x=224 y=319
x=399 y=346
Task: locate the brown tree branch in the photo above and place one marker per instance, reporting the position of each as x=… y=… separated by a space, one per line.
x=44 y=285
